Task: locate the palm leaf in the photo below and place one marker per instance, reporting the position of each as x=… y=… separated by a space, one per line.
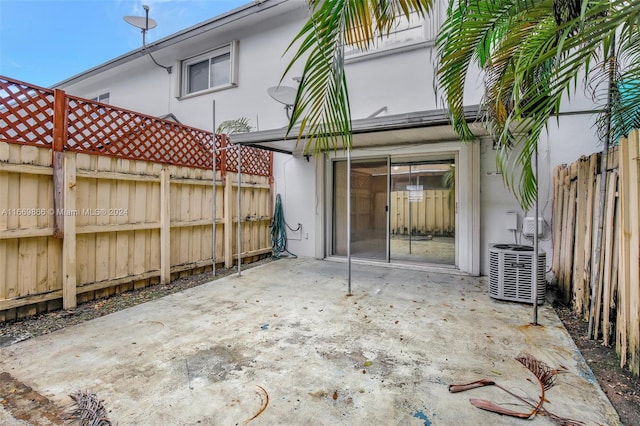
x=322 y=100
x=533 y=54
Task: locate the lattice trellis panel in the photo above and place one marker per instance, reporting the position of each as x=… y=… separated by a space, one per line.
x=254 y=161
x=103 y=129
x=26 y=117
x=26 y=113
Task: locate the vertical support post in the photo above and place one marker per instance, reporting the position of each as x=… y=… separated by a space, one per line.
x=69 y=242
x=228 y=219
x=165 y=226
x=213 y=157
x=410 y=208
x=215 y=193
x=534 y=296
x=239 y=230
x=349 y=220
x=60 y=135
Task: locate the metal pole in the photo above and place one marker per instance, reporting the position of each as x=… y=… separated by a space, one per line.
x=213 y=151
x=410 y=208
x=535 y=245
x=349 y=219
x=239 y=190
x=387 y=248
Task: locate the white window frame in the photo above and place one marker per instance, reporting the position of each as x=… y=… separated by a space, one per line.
x=387 y=45
x=101 y=97
x=231 y=49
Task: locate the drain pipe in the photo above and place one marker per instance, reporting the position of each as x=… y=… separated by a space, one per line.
x=349 y=219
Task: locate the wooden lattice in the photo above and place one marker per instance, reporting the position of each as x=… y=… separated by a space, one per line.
x=27 y=117
x=254 y=161
x=26 y=113
x=103 y=129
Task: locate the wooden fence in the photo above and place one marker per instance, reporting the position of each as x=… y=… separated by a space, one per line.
x=611 y=303
x=422 y=212
x=130 y=204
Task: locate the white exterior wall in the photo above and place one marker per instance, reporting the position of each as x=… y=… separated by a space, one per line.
x=564 y=143
x=403 y=82
x=295 y=181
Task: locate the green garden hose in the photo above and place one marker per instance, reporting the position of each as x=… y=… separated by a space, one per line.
x=279 y=232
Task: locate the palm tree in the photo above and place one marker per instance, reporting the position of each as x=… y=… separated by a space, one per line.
x=239 y=125
x=533 y=53
x=322 y=101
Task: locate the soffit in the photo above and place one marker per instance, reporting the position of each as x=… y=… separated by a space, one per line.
x=399 y=129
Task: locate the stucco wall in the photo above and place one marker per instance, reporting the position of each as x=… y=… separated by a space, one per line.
x=295 y=181
x=401 y=82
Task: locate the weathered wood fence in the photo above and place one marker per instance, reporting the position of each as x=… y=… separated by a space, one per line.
x=96 y=200
x=612 y=303
x=422 y=212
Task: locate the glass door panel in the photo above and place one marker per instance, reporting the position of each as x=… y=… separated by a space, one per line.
x=422 y=211
x=368 y=209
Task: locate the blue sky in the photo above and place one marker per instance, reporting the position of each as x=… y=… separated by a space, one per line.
x=42 y=42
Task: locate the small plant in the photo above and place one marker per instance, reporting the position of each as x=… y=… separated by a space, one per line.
x=239 y=125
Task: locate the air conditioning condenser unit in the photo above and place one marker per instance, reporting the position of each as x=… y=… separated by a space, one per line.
x=511 y=273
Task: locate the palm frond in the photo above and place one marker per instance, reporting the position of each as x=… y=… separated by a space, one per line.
x=239 y=125
x=533 y=54
x=322 y=100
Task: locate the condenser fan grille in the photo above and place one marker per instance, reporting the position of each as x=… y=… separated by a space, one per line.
x=511 y=273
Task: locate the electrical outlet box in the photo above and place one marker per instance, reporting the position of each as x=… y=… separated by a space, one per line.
x=529 y=226
x=511 y=221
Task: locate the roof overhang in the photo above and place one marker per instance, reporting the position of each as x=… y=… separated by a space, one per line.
x=397 y=129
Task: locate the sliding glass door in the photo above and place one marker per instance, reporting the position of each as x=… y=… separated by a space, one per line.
x=401 y=210
x=368 y=209
x=422 y=215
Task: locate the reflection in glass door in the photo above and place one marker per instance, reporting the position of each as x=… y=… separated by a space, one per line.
x=368 y=209
x=400 y=211
x=422 y=212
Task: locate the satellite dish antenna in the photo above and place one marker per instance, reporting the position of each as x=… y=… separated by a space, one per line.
x=285 y=95
x=145 y=24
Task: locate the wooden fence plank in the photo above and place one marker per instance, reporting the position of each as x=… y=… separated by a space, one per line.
x=4 y=200
x=165 y=228
x=609 y=245
x=591 y=207
x=69 y=266
x=570 y=235
x=3 y=269
x=578 y=249
x=634 y=253
x=556 y=219
x=624 y=270
x=228 y=222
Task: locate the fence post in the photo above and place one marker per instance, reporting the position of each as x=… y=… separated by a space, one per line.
x=223 y=156
x=69 y=241
x=60 y=134
x=165 y=226
x=228 y=222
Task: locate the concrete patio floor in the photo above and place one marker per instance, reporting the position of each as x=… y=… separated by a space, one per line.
x=384 y=356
